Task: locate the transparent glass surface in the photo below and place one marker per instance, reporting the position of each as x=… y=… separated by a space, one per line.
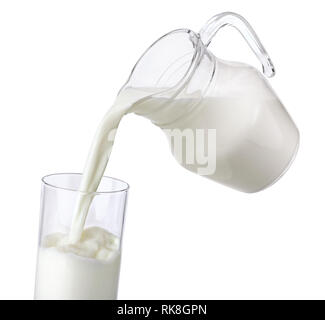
x=80 y=271
x=189 y=88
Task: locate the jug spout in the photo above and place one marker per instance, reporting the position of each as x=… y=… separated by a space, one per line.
x=235 y=20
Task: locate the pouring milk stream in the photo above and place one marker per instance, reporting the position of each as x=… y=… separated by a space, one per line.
x=236 y=130
x=255 y=138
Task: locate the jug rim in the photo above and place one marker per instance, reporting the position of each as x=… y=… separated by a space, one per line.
x=198 y=53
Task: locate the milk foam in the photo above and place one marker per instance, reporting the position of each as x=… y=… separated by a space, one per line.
x=87 y=269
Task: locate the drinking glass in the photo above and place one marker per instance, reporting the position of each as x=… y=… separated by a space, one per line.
x=68 y=272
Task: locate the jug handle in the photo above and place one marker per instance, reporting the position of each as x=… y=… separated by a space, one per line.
x=235 y=20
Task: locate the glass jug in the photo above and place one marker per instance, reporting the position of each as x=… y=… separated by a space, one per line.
x=223 y=119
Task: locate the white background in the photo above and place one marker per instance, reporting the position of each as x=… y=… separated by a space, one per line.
x=61 y=66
